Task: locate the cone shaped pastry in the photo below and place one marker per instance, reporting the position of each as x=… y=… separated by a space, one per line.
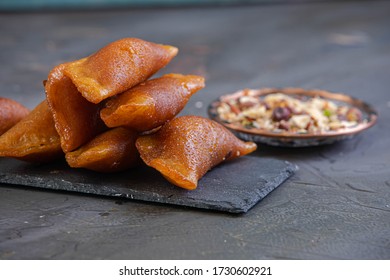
x=118 y=67
x=152 y=103
x=11 y=112
x=113 y=150
x=184 y=149
x=77 y=121
x=34 y=138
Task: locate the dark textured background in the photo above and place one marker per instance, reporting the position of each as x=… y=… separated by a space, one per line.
x=336 y=207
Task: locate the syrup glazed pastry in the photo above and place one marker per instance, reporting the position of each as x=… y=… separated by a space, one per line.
x=11 y=112
x=73 y=88
x=184 y=149
x=152 y=103
x=72 y=117
x=118 y=67
x=76 y=119
x=34 y=138
x=111 y=151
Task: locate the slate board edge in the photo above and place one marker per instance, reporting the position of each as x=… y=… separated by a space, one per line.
x=289 y=170
x=109 y=192
x=48 y=184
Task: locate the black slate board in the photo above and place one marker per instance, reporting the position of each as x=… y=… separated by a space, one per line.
x=233 y=186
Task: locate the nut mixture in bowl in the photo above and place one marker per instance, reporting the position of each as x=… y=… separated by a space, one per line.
x=282 y=113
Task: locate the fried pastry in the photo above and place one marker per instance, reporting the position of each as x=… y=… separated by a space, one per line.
x=113 y=150
x=34 y=138
x=152 y=103
x=117 y=67
x=184 y=149
x=76 y=119
x=11 y=112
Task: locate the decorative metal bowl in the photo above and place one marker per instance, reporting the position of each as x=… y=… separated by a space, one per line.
x=286 y=139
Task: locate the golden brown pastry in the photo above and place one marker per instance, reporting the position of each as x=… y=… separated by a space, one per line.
x=11 y=112
x=184 y=149
x=113 y=150
x=34 y=138
x=152 y=103
x=77 y=120
x=118 y=67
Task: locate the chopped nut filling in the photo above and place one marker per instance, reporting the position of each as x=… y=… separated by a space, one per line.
x=279 y=112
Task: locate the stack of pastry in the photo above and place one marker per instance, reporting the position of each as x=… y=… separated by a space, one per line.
x=104 y=114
